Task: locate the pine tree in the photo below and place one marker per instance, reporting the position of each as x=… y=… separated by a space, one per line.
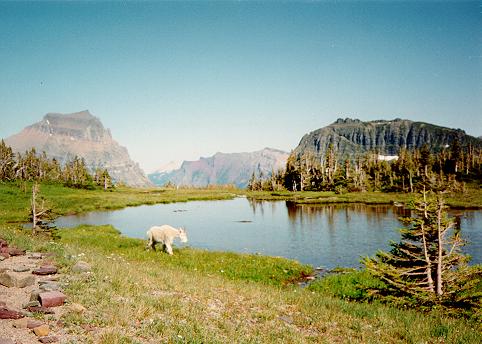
x=7 y=162
x=425 y=260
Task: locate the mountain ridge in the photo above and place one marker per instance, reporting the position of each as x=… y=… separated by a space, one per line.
x=350 y=137
x=224 y=168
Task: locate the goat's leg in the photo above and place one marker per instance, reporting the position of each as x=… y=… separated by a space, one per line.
x=151 y=244
x=169 y=248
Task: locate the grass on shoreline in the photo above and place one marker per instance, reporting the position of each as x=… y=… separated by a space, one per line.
x=471 y=199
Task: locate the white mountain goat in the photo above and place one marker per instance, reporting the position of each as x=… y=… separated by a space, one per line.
x=165 y=235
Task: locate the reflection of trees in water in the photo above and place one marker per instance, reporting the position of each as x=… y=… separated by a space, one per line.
x=469 y=217
x=256 y=205
x=313 y=213
x=259 y=205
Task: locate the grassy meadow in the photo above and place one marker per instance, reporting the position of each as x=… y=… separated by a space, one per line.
x=137 y=296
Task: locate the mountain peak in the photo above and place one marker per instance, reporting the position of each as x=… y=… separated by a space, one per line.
x=64 y=136
x=85 y=114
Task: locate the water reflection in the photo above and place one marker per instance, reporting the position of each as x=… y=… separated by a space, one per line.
x=326 y=235
x=374 y=214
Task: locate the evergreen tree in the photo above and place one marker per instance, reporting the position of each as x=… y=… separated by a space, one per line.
x=424 y=262
x=7 y=162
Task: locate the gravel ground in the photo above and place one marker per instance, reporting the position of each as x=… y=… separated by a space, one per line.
x=14 y=298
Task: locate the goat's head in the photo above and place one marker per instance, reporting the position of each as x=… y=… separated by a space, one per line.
x=182 y=235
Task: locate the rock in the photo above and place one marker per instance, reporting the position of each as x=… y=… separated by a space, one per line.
x=51 y=339
x=25 y=281
x=81 y=266
x=287 y=319
x=31 y=304
x=45 y=270
x=42 y=330
x=7 y=279
x=40 y=309
x=50 y=286
x=33 y=323
x=3 y=243
x=20 y=323
x=34 y=295
x=52 y=298
x=2 y=258
x=6 y=313
x=35 y=255
x=3 y=304
x=76 y=308
x=11 y=279
x=21 y=268
x=5 y=255
x=4 y=340
x=13 y=251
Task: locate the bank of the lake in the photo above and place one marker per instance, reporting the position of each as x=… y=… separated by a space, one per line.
x=137 y=296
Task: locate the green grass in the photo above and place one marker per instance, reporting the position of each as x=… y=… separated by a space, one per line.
x=472 y=198
x=234 y=266
x=349 y=284
x=14 y=200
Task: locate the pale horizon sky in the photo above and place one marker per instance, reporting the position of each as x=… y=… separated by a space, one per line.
x=180 y=80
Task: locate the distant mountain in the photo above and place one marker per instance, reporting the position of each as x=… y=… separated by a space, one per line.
x=350 y=137
x=64 y=136
x=162 y=174
x=224 y=168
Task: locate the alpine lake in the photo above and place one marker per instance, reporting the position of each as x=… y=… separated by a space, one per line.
x=326 y=236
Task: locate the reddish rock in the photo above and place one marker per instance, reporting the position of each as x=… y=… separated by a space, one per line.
x=6 y=313
x=50 y=339
x=13 y=251
x=4 y=252
x=52 y=298
x=32 y=323
x=3 y=243
x=45 y=270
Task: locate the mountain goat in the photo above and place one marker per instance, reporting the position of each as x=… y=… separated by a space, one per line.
x=165 y=235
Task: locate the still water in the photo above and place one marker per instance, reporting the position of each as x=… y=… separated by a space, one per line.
x=321 y=235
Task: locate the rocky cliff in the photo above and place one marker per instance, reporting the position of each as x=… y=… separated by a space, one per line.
x=350 y=137
x=64 y=136
x=223 y=168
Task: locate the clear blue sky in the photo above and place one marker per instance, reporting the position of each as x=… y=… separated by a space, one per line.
x=180 y=80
